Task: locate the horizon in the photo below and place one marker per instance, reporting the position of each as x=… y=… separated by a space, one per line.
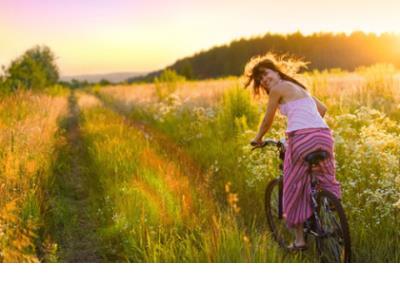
x=97 y=37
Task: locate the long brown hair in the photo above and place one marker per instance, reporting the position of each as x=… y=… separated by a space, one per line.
x=285 y=66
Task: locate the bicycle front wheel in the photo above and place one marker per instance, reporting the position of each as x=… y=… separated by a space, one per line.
x=333 y=243
x=274 y=213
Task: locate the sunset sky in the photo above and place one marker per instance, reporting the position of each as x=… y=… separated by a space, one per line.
x=99 y=36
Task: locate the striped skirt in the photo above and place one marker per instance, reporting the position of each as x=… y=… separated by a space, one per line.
x=297 y=181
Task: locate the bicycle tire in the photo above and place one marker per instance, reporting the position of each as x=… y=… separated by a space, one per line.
x=273 y=207
x=335 y=246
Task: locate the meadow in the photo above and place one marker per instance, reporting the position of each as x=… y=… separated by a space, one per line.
x=163 y=172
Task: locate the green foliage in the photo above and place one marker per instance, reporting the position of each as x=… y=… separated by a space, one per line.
x=185 y=69
x=237 y=112
x=75 y=84
x=146 y=195
x=166 y=84
x=57 y=90
x=104 y=82
x=5 y=87
x=35 y=69
x=171 y=181
x=367 y=146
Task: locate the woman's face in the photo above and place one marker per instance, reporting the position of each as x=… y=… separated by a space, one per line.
x=268 y=78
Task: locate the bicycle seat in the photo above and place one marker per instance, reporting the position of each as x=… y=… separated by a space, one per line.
x=316 y=156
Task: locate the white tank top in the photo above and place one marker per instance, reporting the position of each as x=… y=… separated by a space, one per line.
x=302 y=114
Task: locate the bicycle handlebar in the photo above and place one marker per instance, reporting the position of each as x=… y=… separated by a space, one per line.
x=268 y=142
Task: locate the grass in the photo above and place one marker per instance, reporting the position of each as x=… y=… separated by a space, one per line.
x=216 y=137
x=28 y=125
x=160 y=214
x=132 y=176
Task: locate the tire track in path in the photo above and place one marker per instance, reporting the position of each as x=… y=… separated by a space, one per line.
x=73 y=195
x=169 y=154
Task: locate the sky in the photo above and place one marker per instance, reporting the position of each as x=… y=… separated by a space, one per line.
x=99 y=36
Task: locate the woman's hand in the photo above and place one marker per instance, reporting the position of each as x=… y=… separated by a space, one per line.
x=256 y=141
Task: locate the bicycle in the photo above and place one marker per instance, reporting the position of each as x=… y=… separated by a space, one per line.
x=328 y=223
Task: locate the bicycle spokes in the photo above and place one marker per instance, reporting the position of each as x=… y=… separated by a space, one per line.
x=331 y=242
x=328 y=224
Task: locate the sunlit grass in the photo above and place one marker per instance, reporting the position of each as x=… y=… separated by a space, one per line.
x=27 y=127
x=159 y=213
x=363 y=113
x=171 y=177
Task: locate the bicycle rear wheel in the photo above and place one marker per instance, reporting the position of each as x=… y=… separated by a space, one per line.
x=333 y=244
x=274 y=213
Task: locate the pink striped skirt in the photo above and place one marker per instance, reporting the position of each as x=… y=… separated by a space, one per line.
x=297 y=181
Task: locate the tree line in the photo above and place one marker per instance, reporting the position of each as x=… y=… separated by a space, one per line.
x=36 y=68
x=322 y=50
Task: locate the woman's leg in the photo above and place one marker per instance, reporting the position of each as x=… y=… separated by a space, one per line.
x=299 y=232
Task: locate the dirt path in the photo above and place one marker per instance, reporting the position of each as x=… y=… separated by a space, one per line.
x=74 y=224
x=169 y=149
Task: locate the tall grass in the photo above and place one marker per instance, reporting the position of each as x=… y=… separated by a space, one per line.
x=160 y=214
x=363 y=115
x=170 y=176
x=27 y=127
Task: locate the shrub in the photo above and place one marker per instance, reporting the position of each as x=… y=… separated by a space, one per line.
x=166 y=84
x=35 y=70
x=237 y=113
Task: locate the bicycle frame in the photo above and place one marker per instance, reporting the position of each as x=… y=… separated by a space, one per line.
x=308 y=228
x=320 y=201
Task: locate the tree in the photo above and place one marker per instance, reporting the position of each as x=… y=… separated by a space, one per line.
x=185 y=69
x=104 y=82
x=35 y=69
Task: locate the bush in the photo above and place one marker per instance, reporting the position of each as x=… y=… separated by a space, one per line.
x=35 y=70
x=238 y=112
x=57 y=90
x=166 y=84
x=4 y=87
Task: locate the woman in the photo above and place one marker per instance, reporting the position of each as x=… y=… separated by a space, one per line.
x=306 y=132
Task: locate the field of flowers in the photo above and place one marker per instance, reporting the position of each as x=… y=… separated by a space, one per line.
x=213 y=121
x=164 y=172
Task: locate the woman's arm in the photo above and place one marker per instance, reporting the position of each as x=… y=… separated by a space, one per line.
x=273 y=102
x=321 y=107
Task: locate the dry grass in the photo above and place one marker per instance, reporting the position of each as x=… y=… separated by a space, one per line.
x=26 y=144
x=196 y=93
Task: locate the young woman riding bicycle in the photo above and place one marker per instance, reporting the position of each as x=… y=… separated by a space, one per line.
x=306 y=132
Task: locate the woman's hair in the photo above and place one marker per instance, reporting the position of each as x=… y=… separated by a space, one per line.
x=285 y=66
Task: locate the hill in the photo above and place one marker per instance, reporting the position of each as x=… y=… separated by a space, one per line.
x=111 y=77
x=322 y=50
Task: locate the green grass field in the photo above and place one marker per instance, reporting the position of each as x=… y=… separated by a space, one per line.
x=164 y=173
